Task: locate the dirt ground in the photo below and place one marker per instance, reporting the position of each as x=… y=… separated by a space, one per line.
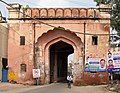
x=94 y=89
x=16 y=88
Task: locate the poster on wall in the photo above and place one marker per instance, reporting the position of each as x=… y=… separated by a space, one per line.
x=36 y=73
x=113 y=60
x=12 y=75
x=95 y=64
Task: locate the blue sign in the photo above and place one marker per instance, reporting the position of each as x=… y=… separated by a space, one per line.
x=110 y=70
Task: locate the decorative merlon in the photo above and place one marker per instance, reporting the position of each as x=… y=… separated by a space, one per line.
x=55 y=12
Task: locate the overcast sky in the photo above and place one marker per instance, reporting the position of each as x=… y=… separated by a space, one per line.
x=49 y=3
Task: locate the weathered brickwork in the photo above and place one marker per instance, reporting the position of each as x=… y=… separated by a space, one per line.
x=65 y=24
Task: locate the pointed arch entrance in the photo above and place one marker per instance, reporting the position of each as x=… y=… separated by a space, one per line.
x=55 y=46
x=58 y=61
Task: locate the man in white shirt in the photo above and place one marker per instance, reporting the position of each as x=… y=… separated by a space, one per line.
x=69 y=78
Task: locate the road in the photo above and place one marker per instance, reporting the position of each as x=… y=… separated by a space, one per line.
x=62 y=88
x=51 y=88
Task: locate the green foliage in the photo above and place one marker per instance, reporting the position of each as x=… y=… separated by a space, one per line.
x=115 y=13
x=101 y=1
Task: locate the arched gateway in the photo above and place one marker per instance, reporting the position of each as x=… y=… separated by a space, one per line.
x=55 y=46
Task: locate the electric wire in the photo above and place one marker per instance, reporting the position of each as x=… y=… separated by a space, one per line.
x=49 y=24
x=16 y=41
x=27 y=15
x=9 y=36
x=20 y=35
x=13 y=29
x=52 y=25
x=44 y=22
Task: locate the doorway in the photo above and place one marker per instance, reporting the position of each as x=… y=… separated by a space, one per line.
x=59 y=61
x=4 y=70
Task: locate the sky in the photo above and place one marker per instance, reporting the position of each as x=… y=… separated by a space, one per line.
x=49 y=4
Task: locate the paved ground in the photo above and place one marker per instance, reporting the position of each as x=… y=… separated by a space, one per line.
x=52 y=88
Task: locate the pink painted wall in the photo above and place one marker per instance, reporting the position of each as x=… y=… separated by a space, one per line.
x=70 y=19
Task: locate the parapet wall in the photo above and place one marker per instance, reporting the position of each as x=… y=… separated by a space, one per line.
x=60 y=13
x=16 y=11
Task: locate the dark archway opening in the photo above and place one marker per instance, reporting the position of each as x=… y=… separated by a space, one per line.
x=59 y=61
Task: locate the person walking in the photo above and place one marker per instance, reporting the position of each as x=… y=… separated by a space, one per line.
x=69 y=79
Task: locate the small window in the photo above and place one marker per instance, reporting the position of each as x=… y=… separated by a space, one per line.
x=22 y=40
x=23 y=67
x=94 y=40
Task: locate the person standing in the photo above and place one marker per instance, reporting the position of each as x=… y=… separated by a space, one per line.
x=69 y=79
